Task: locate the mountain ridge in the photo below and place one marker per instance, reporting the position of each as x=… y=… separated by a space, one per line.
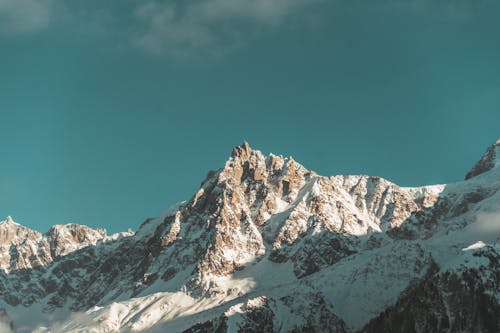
x=257 y=216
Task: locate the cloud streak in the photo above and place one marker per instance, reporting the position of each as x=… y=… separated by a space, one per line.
x=207 y=25
x=25 y=16
x=181 y=28
x=161 y=27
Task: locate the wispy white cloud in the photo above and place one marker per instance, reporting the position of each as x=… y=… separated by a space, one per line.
x=164 y=27
x=24 y=16
x=181 y=27
x=5 y=328
x=489 y=223
x=207 y=25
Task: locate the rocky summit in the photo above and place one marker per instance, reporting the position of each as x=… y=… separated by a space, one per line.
x=266 y=245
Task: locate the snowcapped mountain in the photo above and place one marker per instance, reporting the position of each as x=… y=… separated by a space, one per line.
x=266 y=245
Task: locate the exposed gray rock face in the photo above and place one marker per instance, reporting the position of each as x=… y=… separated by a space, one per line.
x=487 y=162
x=266 y=245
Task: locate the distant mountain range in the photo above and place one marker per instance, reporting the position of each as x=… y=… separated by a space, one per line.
x=266 y=245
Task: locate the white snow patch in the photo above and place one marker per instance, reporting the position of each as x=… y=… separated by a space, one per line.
x=475 y=246
x=149 y=227
x=281 y=205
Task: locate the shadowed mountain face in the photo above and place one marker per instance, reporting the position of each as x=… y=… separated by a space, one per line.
x=266 y=245
x=464 y=300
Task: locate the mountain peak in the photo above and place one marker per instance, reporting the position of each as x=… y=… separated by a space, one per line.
x=243 y=151
x=264 y=238
x=8 y=220
x=488 y=161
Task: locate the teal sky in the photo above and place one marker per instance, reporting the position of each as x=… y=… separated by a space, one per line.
x=110 y=111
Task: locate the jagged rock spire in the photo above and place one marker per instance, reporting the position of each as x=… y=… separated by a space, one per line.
x=8 y=219
x=243 y=151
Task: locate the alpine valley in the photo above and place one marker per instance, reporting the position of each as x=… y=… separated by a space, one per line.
x=266 y=245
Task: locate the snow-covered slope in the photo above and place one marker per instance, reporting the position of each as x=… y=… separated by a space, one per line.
x=266 y=245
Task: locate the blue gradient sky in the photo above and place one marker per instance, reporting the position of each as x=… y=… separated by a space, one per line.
x=112 y=111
